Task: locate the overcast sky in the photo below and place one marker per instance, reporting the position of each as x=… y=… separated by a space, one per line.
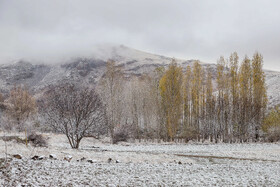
x=188 y=29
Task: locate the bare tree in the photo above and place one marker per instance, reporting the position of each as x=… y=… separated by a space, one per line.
x=75 y=111
x=112 y=94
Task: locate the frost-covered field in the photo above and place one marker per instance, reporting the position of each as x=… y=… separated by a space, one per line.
x=142 y=164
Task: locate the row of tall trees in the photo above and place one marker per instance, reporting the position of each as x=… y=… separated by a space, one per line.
x=223 y=104
x=232 y=110
x=227 y=103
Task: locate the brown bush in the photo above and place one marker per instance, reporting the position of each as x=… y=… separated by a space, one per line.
x=120 y=137
x=121 y=133
x=37 y=140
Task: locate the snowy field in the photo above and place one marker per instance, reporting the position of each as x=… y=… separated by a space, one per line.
x=141 y=164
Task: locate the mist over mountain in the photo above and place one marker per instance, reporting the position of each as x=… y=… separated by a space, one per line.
x=89 y=69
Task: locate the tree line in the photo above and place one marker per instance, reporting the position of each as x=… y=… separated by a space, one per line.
x=187 y=104
x=227 y=104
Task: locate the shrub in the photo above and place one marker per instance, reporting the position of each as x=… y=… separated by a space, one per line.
x=190 y=133
x=273 y=134
x=272 y=119
x=271 y=125
x=13 y=138
x=37 y=140
x=121 y=133
x=120 y=137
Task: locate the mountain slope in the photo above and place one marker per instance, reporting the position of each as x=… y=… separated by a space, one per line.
x=89 y=70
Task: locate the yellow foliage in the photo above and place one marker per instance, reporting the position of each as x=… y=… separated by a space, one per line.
x=20 y=104
x=272 y=120
x=171 y=92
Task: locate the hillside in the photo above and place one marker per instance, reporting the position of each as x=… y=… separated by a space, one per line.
x=89 y=70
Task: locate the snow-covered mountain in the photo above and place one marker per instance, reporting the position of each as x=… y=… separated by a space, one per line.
x=88 y=70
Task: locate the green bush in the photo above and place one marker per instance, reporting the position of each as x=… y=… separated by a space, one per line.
x=271 y=125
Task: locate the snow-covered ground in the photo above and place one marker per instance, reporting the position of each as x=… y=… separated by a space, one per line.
x=142 y=164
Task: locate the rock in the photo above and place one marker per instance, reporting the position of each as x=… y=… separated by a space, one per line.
x=35 y=157
x=109 y=160
x=92 y=161
x=18 y=156
x=81 y=160
x=38 y=157
x=94 y=147
x=117 y=161
x=53 y=156
x=179 y=162
x=68 y=158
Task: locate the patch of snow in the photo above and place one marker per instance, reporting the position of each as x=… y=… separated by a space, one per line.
x=141 y=164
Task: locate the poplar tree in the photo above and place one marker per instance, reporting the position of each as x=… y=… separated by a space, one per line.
x=234 y=87
x=202 y=105
x=171 y=93
x=210 y=105
x=195 y=94
x=188 y=130
x=245 y=94
x=156 y=93
x=112 y=88
x=220 y=97
x=259 y=93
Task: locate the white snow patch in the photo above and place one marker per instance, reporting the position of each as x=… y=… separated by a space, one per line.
x=142 y=164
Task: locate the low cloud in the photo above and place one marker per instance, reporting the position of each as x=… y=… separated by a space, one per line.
x=54 y=30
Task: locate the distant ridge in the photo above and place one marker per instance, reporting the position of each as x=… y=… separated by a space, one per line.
x=88 y=70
